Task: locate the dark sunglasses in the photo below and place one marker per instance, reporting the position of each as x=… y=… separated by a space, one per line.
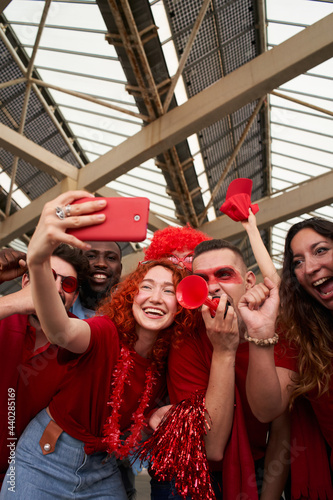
x=68 y=283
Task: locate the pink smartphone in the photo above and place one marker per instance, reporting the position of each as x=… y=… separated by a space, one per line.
x=126 y=220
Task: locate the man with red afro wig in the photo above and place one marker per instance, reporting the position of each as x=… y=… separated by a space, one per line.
x=177 y=243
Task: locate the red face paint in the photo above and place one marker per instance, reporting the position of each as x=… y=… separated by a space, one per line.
x=227 y=275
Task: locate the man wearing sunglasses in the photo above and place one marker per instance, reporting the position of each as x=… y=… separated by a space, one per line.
x=31 y=366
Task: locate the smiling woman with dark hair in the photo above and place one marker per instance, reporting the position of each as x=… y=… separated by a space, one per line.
x=306 y=317
x=307 y=312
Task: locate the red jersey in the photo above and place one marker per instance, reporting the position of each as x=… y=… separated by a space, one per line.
x=189 y=369
x=28 y=381
x=80 y=405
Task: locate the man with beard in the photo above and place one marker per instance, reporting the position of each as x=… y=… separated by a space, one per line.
x=31 y=367
x=104 y=272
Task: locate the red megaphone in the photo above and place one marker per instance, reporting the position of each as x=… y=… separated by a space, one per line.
x=192 y=292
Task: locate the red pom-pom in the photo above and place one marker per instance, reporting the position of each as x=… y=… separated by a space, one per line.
x=176 y=450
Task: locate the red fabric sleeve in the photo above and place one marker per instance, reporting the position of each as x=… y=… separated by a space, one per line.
x=188 y=368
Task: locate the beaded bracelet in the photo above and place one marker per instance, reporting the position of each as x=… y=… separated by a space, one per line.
x=263 y=342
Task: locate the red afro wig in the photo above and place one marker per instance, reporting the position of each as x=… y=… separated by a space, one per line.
x=166 y=241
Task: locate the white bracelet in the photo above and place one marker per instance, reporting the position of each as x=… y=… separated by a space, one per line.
x=263 y=342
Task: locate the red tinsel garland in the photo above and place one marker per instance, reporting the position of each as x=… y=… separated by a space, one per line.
x=177 y=449
x=122 y=448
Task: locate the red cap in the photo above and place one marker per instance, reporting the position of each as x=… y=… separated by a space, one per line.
x=238 y=200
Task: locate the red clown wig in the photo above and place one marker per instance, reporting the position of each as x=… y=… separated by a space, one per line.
x=166 y=241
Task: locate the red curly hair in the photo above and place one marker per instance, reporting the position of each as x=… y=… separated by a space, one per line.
x=165 y=241
x=119 y=310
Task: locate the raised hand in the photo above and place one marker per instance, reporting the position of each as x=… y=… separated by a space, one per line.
x=259 y=308
x=59 y=215
x=12 y=264
x=222 y=330
x=250 y=223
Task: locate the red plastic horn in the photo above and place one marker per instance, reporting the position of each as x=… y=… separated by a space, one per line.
x=192 y=292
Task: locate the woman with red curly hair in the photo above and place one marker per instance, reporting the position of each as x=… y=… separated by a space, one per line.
x=116 y=372
x=177 y=244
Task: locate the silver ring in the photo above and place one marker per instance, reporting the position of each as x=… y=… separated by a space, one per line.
x=60 y=213
x=68 y=210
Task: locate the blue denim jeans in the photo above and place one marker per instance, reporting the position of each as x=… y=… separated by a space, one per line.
x=67 y=473
x=165 y=490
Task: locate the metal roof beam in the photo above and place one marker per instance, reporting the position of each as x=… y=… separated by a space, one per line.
x=41 y=98
x=150 y=93
x=38 y=156
x=249 y=82
x=87 y=97
x=26 y=219
x=303 y=103
x=232 y=159
x=299 y=53
x=24 y=110
x=186 y=53
x=73 y=52
x=300 y=199
x=3 y=5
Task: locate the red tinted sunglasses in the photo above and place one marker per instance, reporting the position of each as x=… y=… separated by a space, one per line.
x=186 y=261
x=68 y=283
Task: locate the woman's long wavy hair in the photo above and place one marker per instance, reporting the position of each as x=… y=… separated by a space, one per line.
x=308 y=323
x=119 y=309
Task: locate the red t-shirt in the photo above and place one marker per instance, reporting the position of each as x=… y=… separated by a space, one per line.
x=80 y=404
x=189 y=369
x=323 y=408
x=28 y=381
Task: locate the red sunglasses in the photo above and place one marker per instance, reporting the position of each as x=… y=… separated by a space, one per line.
x=186 y=261
x=68 y=283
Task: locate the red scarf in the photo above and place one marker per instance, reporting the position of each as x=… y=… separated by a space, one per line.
x=177 y=450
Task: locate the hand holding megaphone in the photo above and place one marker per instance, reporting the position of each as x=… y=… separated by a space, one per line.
x=192 y=292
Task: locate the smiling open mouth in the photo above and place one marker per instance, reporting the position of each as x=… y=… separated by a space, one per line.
x=99 y=277
x=324 y=286
x=155 y=312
